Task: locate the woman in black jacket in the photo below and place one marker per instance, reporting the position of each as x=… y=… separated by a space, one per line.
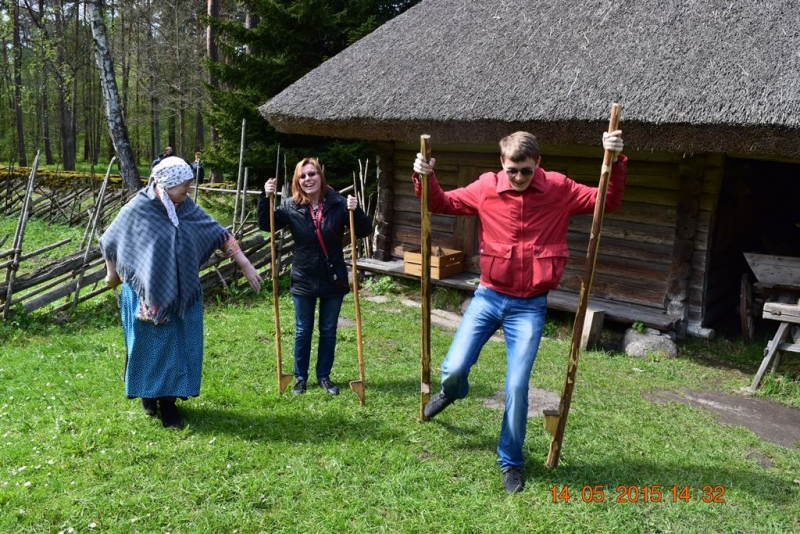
x=317 y=216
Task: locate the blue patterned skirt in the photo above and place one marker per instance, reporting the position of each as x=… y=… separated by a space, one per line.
x=164 y=360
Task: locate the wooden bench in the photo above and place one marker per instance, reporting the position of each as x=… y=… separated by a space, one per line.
x=557 y=300
x=788 y=315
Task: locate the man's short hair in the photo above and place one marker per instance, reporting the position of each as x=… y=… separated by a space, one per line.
x=519 y=146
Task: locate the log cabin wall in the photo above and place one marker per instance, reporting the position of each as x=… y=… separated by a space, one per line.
x=654 y=248
x=701 y=182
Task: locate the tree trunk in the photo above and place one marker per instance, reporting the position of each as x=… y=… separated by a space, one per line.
x=116 y=123
x=199 y=128
x=172 y=138
x=48 y=150
x=23 y=159
x=64 y=96
x=213 y=56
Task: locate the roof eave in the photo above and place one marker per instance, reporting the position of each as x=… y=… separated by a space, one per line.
x=687 y=138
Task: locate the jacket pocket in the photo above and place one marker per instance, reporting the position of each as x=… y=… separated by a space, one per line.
x=497 y=264
x=548 y=265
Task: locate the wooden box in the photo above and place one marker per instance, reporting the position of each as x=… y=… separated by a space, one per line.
x=444 y=262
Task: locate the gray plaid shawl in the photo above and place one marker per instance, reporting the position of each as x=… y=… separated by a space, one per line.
x=160 y=261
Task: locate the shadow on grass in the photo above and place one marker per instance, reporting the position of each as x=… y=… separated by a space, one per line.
x=308 y=427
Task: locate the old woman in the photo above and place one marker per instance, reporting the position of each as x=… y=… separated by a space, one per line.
x=154 y=248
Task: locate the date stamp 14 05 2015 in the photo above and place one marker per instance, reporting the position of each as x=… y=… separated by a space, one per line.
x=632 y=494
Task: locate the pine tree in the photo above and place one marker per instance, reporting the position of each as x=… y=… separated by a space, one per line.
x=291 y=38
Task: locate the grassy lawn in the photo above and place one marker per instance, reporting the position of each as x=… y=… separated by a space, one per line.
x=79 y=457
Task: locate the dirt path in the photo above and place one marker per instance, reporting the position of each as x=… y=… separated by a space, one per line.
x=771 y=422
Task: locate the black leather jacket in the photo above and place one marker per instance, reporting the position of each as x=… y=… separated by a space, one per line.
x=311 y=276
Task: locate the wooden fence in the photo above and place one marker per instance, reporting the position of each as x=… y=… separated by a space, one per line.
x=67 y=281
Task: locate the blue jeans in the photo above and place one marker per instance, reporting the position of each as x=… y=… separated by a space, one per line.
x=304 y=327
x=522 y=320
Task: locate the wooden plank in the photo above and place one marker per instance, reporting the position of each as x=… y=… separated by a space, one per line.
x=772 y=348
x=592 y=328
x=624 y=267
x=645 y=213
x=786 y=313
x=653 y=196
x=775 y=270
x=618 y=292
x=655 y=182
x=440 y=223
x=642 y=233
x=623 y=248
x=409 y=237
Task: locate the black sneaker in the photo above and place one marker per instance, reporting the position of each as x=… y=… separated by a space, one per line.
x=329 y=387
x=436 y=404
x=512 y=479
x=299 y=387
x=150 y=407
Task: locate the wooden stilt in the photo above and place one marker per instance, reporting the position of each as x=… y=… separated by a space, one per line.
x=425 y=283
x=583 y=300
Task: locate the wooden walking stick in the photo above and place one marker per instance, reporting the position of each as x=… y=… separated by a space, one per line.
x=425 y=282
x=357 y=385
x=283 y=379
x=557 y=428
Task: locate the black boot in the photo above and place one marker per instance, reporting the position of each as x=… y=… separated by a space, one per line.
x=170 y=417
x=150 y=406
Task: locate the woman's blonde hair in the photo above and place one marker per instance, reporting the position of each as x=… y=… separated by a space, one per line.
x=298 y=195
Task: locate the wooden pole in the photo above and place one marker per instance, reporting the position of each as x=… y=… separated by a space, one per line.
x=239 y=177
x=358 y=386
x=583 y=301
x=283 y=379
x=197 y=182
x=425 y=282
x=95 y=217
x=242 y=213
x=19 y=236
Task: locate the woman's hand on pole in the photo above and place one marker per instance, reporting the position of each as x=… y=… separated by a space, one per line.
x=352 y=202
x=269 y=185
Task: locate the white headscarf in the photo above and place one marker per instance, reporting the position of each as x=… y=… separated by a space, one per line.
x=168 y=173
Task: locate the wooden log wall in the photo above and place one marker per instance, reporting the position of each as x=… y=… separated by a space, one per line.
x=654 y=248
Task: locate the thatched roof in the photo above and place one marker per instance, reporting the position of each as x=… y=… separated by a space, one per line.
x=692 y=75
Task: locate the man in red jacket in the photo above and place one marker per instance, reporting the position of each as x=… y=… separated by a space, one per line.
x=524 y=213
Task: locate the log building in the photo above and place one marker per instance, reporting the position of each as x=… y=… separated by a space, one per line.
x=711 y=121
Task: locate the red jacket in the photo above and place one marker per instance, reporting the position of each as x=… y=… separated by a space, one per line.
x=523 y=236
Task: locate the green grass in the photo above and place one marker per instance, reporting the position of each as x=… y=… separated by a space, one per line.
x=77 y=455
x=39 y=234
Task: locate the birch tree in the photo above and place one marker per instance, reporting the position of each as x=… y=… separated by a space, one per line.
x=108 y=82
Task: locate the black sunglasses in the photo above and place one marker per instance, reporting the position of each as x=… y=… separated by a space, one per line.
x=527 y=171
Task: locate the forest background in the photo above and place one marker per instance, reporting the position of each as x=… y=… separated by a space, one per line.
x=187 y=72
